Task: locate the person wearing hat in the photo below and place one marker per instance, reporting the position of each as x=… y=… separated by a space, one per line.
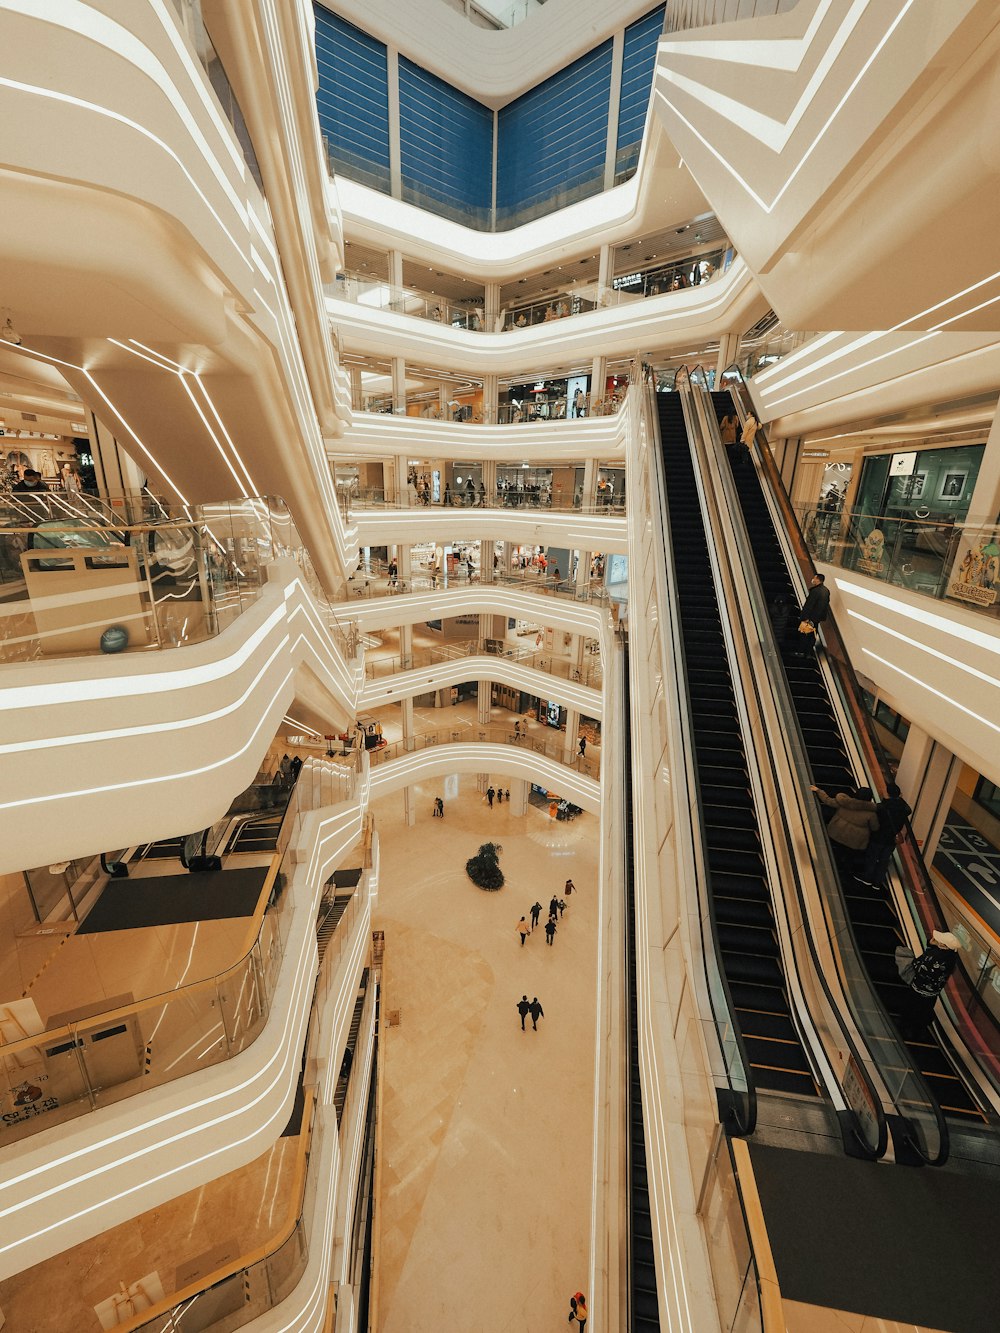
x=926 y=978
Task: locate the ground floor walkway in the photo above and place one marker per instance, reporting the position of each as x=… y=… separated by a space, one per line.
x=486 y=1163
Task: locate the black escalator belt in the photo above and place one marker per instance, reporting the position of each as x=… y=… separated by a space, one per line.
x=257 y=835
x=873 y=918
x=745 y=927
x=644 y=1302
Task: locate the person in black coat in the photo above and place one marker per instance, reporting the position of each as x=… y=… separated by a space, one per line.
x=892 y=814
x=524 y=1009
x=814 y=611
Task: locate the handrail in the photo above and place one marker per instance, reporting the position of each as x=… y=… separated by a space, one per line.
x=768 y=1287
x=742 y=1101
x=792 y=734
x=378 y=497
x=491 y=734
x=379 y=667
x=431 y=582
x=874 y=756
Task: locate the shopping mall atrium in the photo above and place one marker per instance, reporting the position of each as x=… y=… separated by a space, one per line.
x=452 y=879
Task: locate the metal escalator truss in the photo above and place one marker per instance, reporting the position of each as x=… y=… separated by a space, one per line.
x=763 y=987
x=833 y=754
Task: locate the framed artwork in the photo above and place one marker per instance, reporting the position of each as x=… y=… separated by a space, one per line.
x=909 y=488
x=952 y=485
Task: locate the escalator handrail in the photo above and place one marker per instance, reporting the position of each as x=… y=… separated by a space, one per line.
x=743 y=1101
x=983 y=1041
x=850 y=692
x=779 y=814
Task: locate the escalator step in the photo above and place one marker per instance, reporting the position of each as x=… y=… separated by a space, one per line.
x=743 y=912
x=747 y=939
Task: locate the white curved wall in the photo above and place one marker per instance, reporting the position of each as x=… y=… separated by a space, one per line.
x=110 y=751
x=696 y=314
x=562 y=613
x=457 y=757
x=406 y=437
x=72 y=1181
x=541 y=683
x=541 y=527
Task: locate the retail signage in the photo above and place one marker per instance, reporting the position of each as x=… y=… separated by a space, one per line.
x=626 y=280
x=902 y=465
x=815 y=453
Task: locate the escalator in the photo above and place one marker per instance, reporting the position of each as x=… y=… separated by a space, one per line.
x=739 y=895
x=874 y=922
x=643 y=1299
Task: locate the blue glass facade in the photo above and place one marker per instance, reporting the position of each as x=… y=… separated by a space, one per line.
x=445 y=145
x=353 y=99
x=552 y=140
x=638 y=62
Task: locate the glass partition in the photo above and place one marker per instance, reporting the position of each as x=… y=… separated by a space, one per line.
x=491 y=735
x=948 y=561
x=588 y=673
x=85 y=583
x=730 y=1250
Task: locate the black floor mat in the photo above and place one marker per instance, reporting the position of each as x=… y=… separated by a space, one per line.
x=166 y=900
x=911 y=1244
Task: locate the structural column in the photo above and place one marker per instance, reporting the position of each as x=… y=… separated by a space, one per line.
x=117 y=474
x=927 y=776
x=405 y=561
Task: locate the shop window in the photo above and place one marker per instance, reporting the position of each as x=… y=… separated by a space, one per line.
x=885 y=716
x=987 y=794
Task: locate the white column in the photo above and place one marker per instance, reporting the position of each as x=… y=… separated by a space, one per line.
x=117 y=474
x=399 y=386
x=518 y=796
x=611 y=147
x=395 y=175
x=927 y=777
x=598 y=376
x=604 y=267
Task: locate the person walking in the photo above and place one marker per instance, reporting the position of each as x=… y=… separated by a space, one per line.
x=500 y=796
x=569 y=888
x=524 y=1009
x=583 y=746
x=553 y=905
x=536 y=912
x=537 y=1012
x=490 y=793
x=562 y=907
x=578 y=1310
x=506 y=795
x=550 y=930
x=523 y=929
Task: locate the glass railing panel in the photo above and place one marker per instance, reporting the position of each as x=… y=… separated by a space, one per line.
x=730 y=1252
x=375 y=497
x=586 y=673
x=556 y=750
x=952 y=562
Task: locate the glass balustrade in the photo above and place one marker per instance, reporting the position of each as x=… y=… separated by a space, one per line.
x=647 y=280
x=684 y=14
x=75 y=579
x=588 y=673
x=63 y=1072
x=538 y=497
x=555 y=749
x=528 y=581
x=953 y=562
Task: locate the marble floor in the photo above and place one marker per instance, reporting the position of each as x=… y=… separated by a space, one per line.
x=484 y=1210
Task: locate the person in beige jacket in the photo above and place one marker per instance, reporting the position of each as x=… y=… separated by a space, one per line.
x=853 y=822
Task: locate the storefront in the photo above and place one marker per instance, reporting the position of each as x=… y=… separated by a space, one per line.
x=933 y=485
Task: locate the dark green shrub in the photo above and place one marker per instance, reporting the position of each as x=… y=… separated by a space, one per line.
x=484 y=868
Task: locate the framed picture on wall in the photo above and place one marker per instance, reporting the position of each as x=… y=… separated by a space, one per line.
x=911 y=487
x=952 y=485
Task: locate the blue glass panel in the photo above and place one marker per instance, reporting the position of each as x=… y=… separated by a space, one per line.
x=353 y=98
x=638 y=61
x=446 y=145
x=552 y=140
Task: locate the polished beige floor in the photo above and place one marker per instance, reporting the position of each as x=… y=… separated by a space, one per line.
x=484 y=1212
x=187 y=1238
